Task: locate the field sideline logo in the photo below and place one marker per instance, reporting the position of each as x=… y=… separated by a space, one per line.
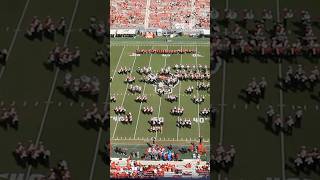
x=20 y=176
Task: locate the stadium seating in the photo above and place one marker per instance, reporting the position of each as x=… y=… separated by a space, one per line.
x=164 y=14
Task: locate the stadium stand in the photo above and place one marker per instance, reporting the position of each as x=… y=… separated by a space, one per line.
x=160 y=15
x=127 y=168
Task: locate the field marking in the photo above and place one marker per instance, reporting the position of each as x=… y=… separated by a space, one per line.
x=281 y=133
x=189 y=95
x=125 y=92
x=115 y=70
x=179 y=95
x=15 y=36
x=227 y=4
x=144 y=88
x=161 y=140
x=96 y=150
x=278 y=10
x=222 y=102
x=154 y=43
x=159 y=110
x=199 y=129
x=283 y=170
x=223 y=97
x=105 y=108
x=53 y=85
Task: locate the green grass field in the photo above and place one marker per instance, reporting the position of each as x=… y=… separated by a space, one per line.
x=260 y=153
x=45 y=114
x=137 y=133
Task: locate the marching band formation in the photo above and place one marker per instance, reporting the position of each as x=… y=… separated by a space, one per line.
x=97 y=30
x=260 y=41
x=32 y=154
x=163 y=81
x=47 y=28
x=181 y=123
x=156 y=124
x=3 y=55
x=94 y=117
x=61 y=171
x=256 y=90
x=223 y=157
x=245 y=33
x=147 y=110
x=307 y=159
x=9 y=117
x=101 y=56
x=63 y=56
x=276 y=123
x=299 y=79
x=82 y=85
x=165 y=51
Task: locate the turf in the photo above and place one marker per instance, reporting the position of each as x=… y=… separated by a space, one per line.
x=259 y=151
x=27 y=83
x=137 y=132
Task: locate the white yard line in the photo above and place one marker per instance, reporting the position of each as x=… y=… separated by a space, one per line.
x=222 y=101
x=227 y=4
x=44 y=117
x=155 y=43
x=281 y=133
x=283 y=161
x=144 y=88
x=125 y=93
x=96 y=150
x=199 y=129
x=159 y=110
x=223 y=97
x=159 y=140
x=179 y=100
x=278 y=10
x=115 y=70
x=15 y=36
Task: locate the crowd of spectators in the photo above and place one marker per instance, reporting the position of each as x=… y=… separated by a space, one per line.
x=164 y=14
x=127 y=14
x=188 y=14
x=127 y=168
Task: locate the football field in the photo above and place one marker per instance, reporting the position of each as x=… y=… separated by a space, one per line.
x=46 y=114
x=137 y=133
x=262 y=153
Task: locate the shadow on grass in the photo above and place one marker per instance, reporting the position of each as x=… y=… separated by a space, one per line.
x=97 y=39
x=28 y=161
x=88 y=125
x=20 y=162
x=247 y=99
x=303 y=169
x=103 y=157
x=75 y=97
x=5 y=124
x=267 y=125
x=315 y=97
x=68 y=94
